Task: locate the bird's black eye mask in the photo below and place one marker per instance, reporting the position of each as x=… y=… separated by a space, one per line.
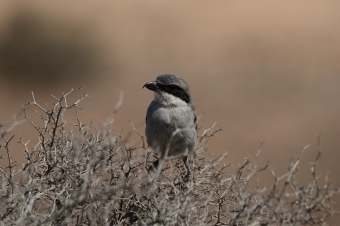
x=175 y=90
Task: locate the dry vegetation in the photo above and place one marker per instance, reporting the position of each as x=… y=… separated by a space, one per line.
x=79 y=174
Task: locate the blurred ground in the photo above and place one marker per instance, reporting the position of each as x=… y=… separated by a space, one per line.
x=269 y=70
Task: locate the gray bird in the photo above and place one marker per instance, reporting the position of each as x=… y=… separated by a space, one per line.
x=171 y=127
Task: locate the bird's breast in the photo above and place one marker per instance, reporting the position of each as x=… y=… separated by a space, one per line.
x=180 y=117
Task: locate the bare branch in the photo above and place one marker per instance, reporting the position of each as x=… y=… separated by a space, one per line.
x=79 y=174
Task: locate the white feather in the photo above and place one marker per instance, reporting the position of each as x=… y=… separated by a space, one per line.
x=168 y=99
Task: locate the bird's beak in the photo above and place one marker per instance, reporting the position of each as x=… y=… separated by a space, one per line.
x=151 y=86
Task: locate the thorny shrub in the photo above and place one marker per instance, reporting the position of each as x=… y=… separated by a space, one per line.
x=79 y=174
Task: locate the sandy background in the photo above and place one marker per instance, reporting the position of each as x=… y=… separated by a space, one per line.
x=266 y=70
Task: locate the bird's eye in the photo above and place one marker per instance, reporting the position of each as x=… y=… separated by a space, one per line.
x=173 y=87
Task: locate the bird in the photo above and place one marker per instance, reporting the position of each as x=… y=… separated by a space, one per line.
x=171 y=123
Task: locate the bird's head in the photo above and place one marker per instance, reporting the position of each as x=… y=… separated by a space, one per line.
x=170 y=89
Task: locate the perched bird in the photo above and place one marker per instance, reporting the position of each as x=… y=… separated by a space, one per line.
x=171 y=127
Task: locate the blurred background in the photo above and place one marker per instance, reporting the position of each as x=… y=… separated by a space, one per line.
x=264 y=70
